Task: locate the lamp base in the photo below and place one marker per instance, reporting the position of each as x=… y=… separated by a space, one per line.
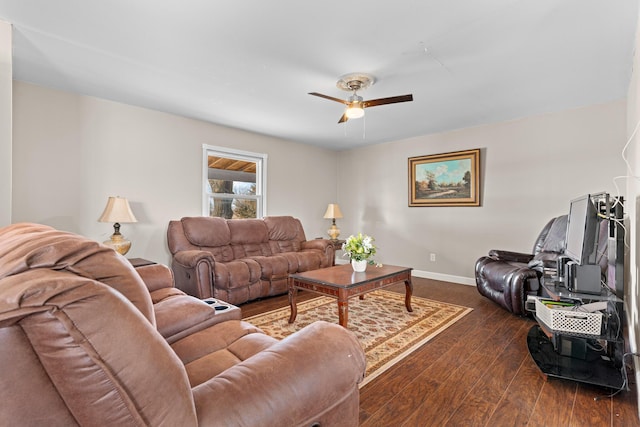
x=333 y=232
x=118 y=243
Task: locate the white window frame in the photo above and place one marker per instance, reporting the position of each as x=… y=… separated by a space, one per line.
x=260 y=160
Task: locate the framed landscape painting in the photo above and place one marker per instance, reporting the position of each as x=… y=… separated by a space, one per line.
x=448 y=179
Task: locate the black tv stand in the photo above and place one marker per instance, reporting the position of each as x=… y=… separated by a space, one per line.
x=596 y=368
x=576 y=348
x=591 y=359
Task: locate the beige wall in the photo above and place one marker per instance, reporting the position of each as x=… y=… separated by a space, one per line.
x=531 y=169
x=71 y=152
x=6 y=74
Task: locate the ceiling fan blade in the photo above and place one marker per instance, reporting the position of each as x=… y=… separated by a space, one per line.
x=384 y=101
x=331 y=98
x=343 y=119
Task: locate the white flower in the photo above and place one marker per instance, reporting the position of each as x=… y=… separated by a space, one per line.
x=359 y=247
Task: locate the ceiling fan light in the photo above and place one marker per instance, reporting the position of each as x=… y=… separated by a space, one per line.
x=354 y=110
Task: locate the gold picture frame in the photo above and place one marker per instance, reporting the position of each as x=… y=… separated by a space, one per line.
x=447 y=179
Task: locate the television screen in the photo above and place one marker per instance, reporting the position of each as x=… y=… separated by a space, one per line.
x=582 y=231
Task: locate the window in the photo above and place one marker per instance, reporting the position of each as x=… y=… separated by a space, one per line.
x=234 y=183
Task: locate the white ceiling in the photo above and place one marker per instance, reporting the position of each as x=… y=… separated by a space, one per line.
x=249 y=64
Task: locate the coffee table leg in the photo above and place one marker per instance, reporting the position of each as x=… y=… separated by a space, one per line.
x=293 y=293
x=343 y=310
x=408 y=292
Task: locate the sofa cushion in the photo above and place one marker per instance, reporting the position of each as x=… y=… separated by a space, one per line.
x=211 y=351
x=249 y=238
x=302 y=261
x=282 y=246
x=206 y=231
x=283 y=228
x=221 y=253
x=555 y=241
x=248 y=231
x=237 y=274
x=274 y=266
x=553 y=246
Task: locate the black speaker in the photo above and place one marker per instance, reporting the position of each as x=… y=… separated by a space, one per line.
x=572 y=346
x=560 y=268
x=583 y=278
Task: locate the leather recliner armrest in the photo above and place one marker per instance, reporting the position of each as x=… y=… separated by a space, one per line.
x=156 y=276
x=318 y=367
x=192 y=257
x=321 y=244
x=510 y=256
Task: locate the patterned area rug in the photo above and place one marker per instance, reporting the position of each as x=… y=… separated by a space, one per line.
x=386 y=330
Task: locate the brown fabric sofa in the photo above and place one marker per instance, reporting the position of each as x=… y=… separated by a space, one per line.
x=83 y=341
x=239 y=260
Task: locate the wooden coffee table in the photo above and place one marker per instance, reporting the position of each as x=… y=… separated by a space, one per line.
x=342 y=282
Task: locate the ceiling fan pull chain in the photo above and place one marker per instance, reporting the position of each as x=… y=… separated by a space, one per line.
x=364 y=127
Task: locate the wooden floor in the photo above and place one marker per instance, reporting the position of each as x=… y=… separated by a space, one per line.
x=478 y=372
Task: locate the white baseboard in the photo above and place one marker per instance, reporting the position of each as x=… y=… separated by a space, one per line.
x=470 y=281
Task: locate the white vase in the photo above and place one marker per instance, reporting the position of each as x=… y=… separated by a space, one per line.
x=359 y=266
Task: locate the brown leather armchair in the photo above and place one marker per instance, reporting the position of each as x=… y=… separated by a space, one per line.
x=508 y=277
x=83 y=341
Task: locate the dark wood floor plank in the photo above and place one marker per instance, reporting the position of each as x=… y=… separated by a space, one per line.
x=590 y=412
x=519 y=399
x=555 y=403
x=489 y=389
x=377 y=393
x=458 y=370
x=625 y=411
x=466 y=376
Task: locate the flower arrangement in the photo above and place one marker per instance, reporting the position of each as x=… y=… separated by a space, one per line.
x=359 y=247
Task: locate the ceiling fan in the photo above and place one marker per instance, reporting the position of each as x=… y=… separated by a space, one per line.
x=355 y=104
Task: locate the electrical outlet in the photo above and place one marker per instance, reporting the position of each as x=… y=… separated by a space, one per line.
x=433 y=258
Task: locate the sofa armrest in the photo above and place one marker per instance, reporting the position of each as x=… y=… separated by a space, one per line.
x=192 y=257
x=180 y=315
x=156 y=276
x=324 y=246
x=193 y=272
x=506 y=283
x=320 y=244
x=510 y=256
x=309 y=377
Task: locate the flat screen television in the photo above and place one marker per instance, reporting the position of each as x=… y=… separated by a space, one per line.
x=582 y=231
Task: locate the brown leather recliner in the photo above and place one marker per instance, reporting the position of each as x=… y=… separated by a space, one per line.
x=508 y=277
x=83 y=341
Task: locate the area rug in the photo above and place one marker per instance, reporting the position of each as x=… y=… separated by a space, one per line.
x=384 y=327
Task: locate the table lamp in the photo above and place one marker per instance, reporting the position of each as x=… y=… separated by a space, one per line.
x=333 y=212
x=117 y=211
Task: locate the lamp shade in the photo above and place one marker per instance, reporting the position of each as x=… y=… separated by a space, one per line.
x=333 y=211
x=117 y=210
